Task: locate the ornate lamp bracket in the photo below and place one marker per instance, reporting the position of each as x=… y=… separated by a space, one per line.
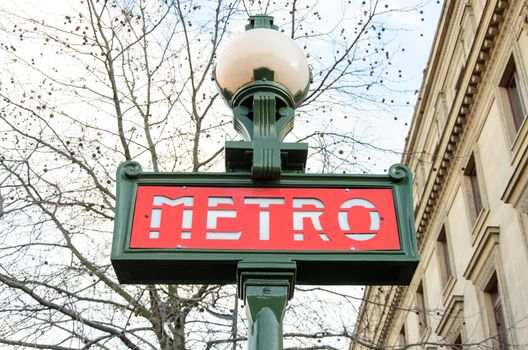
x=264 y=113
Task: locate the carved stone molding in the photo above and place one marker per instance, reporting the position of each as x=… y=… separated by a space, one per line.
x=464 y=104
x=483 y=263
x=451 y=323
x=394 y=306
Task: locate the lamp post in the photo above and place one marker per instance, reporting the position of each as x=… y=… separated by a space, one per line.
x=264 y=76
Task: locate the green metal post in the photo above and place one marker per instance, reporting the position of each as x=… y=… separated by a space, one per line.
x=266 y=305
x=266 y=289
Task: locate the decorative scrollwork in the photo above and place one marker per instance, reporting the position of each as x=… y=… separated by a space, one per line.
x=399 y=172
x=132 y=169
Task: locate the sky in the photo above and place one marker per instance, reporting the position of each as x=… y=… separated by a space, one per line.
x=385 y=128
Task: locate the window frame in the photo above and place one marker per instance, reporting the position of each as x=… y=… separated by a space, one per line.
x=476 y=199
x=402 y=336
x=515 y=126
x=458 y=344
x=421 y=309
x=485 y=270
x=447 y=268
x=515 y=99
x=495 y=309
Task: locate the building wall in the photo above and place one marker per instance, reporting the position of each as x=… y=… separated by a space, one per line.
x=464 y=144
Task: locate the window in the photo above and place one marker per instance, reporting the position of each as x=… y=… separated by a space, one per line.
x=516 y=104
x=451 y=325
x=482 y=271
x=457 y=344
x=496 y=308
x=515 y=100
x=475 y=193
x=443 y=256
x=402 y=337
x=420 y=308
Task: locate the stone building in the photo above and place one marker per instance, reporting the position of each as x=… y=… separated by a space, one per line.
x=468 y=150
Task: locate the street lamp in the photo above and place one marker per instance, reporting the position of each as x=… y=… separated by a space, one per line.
x=264 y=76
x=222 y=228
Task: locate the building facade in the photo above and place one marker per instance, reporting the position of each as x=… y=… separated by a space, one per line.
x=468 y=150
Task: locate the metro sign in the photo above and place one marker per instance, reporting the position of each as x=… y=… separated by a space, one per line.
x=241 y=218
x=198 y=227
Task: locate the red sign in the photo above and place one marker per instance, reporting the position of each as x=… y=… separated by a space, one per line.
x=246 y=218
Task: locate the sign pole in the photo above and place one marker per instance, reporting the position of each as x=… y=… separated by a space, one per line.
x=266 y=291
x=266 y=305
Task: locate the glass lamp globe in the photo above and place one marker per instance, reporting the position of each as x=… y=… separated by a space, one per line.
x=259 y=48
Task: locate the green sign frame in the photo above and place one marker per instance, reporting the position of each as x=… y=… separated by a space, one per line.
x=191 y=266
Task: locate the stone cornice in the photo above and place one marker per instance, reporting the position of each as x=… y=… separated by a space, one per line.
x=451 y=319
x=462 y=106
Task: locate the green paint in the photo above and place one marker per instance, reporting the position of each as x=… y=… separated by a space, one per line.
x=261 y=21
x=265 y=308
x=264 y=113
x=220 y=266
x=266 y=289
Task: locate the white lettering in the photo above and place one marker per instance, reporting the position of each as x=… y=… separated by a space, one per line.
x=375 y=219
x=304 y=211
x=214 y=214
x=299 y=216
x=264 y=216
x=155 y=220
x=160 y=200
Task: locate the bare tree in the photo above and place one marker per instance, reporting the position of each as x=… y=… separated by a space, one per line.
x=90 y=84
